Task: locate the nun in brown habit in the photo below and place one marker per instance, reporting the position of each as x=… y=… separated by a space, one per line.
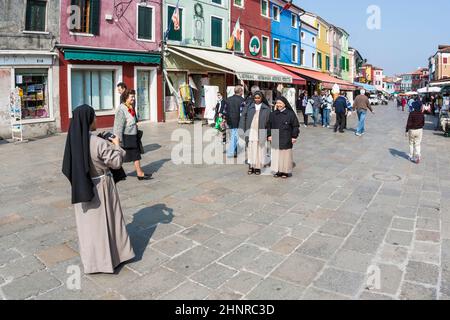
x=103 y=239
x=283 y=134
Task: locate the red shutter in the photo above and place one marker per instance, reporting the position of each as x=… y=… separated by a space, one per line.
x=445 y=60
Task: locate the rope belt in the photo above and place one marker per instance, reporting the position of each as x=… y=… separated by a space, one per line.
x=99 y=177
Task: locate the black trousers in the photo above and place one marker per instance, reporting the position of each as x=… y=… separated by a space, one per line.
x=305 y=116
x=340 y=121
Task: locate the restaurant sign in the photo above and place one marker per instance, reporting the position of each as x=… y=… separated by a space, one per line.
x=264 y=77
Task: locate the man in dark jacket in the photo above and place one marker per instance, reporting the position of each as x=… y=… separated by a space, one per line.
x=340 y=107
x=233 y=116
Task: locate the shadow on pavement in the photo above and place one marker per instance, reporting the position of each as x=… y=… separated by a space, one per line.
x=155 y=166
x=144 y=224
x=400 y=154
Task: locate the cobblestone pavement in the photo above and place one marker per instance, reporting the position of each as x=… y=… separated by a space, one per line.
x=211 y=232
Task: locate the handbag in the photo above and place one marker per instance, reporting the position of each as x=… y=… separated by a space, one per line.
x=118 y=174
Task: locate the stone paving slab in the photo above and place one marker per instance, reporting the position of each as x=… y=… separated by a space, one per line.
x=213 y=232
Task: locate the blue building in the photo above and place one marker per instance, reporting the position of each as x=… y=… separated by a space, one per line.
x=308 y=51
x=285 y=27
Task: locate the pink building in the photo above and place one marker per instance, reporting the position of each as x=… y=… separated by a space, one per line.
x=101 y=45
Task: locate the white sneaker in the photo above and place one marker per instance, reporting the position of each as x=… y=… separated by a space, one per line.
x=305 y=126
x=358 y=134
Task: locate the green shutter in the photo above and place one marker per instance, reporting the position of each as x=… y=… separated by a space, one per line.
x=35 y=15
x=216 y=32
x=95 y=17
x=145 y=23
x=174 y=35
x=327 y=60
x=264 y=47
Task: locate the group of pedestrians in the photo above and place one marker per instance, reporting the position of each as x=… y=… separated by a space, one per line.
x=254 y=120
x=314 y=106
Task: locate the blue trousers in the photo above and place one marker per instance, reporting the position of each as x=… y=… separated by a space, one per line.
x=362 y=120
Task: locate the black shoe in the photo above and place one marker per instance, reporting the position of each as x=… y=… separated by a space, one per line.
x=277 y=175
x=250 y=171
x=258 y=172
x=145 y=177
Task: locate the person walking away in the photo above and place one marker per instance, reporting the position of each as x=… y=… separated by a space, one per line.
x=283 y=133
x=255 y=124
x=219 y=113
x=304 y=110
x=410 y=103
x=399 y=102
x=232 y=115
x=340 y=108
x=404 y=102
x=125 y=127
x=103 y=239
x=316 y=107
x=361 y=105
x=414 y=130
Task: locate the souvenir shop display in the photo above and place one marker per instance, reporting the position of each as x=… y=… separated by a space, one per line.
x=210 y=102
x=187 y=108
x=33 y=86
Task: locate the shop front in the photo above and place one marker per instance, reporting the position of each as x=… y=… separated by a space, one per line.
x=90 y=76
x=35 y=76
x=318 y=81
x=195 y=76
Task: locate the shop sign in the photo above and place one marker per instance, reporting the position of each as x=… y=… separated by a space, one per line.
x=264 y=78
x=25 y=60
x=254 y=46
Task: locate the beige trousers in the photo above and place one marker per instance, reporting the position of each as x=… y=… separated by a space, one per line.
x=415 y=138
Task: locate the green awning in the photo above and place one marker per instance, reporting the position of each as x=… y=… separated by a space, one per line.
x=111 y=56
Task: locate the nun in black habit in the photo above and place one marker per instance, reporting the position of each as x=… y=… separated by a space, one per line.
x=284 y=131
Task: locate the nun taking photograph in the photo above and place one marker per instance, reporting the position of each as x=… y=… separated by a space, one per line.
x=103 y=239
x=255 y=123
x=283 y=134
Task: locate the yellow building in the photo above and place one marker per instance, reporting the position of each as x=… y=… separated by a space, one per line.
x=323 y=41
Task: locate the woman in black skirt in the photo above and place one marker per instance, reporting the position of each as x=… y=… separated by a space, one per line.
x=125 y=127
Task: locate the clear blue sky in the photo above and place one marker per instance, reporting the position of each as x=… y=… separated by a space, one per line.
x=410 y=30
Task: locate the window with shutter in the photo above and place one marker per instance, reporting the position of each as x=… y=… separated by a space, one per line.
x=36 y=15
x=175 y=35
x=319 y=60
x=95 y=17
x=145 y=22
x=265 y=47
x=89 y=20
x=327 y=62
x=216 y=32
x=276 y=49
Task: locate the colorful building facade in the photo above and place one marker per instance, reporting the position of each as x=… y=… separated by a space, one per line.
x=285 y=31
x=308 y=53
x=344 y=63
x=255 y=22
x=28 y=61
x=108 y=45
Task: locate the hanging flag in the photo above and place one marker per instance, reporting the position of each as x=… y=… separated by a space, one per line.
x=235 y=35
x=287 y=6
x=237 y=30
x=176 y=18
x=175 y=21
